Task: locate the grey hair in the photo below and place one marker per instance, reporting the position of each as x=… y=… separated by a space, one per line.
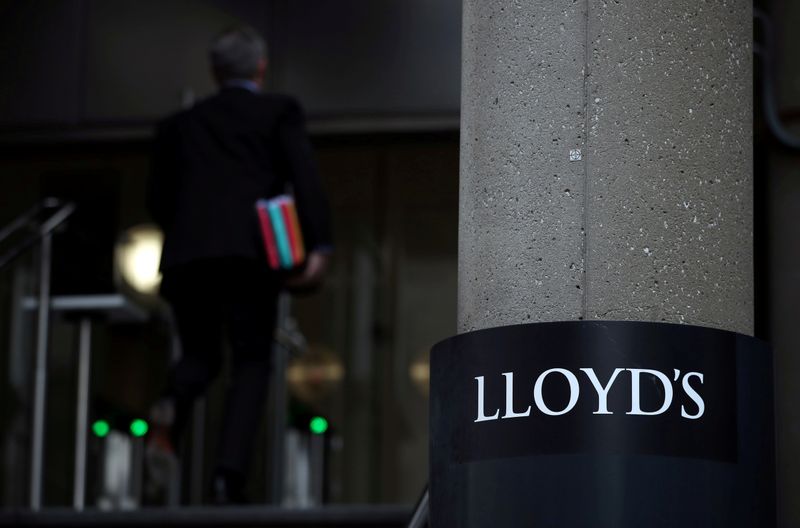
x=236 y=52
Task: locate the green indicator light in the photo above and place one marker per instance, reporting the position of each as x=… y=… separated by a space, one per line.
x=100 y=428
x=139 y=427
x=318 y=425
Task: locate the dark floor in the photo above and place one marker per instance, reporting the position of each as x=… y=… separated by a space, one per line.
x=253 y=516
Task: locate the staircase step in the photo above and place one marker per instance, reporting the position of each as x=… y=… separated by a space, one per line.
x=239 y=517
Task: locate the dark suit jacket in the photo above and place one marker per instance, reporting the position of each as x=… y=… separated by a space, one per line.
x=213 y=161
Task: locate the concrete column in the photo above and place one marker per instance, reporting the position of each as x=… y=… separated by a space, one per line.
x=606 y=162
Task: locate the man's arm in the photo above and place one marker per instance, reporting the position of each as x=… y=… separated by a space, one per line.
x=312 y=204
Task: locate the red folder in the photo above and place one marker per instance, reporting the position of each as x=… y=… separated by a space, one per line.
x=268 y=234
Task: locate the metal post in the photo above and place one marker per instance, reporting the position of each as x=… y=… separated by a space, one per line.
x=40 y=375
x=18 y=379
x=137 y=473
x=82 y=412
x=316 y=455
x=277 y=427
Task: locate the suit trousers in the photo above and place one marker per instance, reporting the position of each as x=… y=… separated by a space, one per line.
x=217 y=300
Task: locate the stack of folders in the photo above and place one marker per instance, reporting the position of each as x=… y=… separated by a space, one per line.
x=280 y=228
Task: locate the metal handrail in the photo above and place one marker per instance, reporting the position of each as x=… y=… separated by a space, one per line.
x=43 y=235
x=64 y=211
x=421 y=512
x=28 y=216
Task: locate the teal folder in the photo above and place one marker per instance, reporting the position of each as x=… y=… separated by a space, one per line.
x=281 y=236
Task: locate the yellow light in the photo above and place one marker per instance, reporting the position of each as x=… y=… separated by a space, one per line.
x=138 y=258
x=313 y=376
x=420 y=372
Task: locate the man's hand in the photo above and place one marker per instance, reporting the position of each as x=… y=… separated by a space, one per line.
x=313 y=273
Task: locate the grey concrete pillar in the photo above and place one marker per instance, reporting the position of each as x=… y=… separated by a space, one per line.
x=606 y=162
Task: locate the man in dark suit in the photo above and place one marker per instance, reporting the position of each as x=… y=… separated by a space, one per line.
x=211 y=164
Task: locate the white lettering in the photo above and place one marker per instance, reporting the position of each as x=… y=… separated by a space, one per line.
x=574 y=392
x=602 y=392
x=635 y=397
x=701 y=405
x=510 y=398
x=481 y=416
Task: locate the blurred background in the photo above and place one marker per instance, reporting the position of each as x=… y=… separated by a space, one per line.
x=83 y=83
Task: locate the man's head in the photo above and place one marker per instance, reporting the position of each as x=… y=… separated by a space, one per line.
x=238 y=53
